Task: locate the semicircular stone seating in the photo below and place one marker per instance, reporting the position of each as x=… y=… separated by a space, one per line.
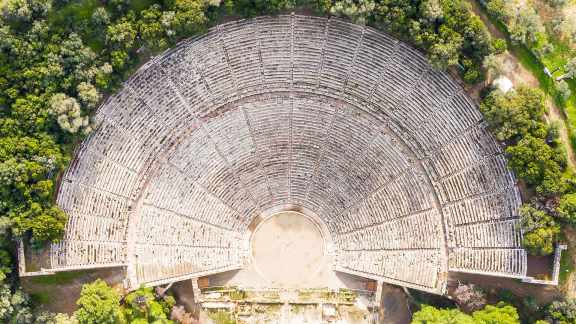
x=291 y=110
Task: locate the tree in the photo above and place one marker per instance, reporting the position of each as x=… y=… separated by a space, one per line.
x=68 y=113
x=499 y=9
x=189 y=16
x=143 y=306
x=46 y=224
x=567 y=208
x=500 y=313
x=539 y=229
x=446 y=51
x=358 y=11
x=98 y=303
x=122 y=34
x=526 y=25
x=27 y=10
x=564 y=89
x=156 y=28
x=431 y=315
x=88 y=94
x=431 y=10
x=100 y=17
x=494 y=65
x=536 y=163
x=515 y=114
x=14 y=307
x=570 y=68
x=55 y=318
x=563 y=311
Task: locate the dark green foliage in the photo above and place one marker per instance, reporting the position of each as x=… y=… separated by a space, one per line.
x=143 y=306
x=515 y=114
x=446 y=29
x=567 y=208
x=500 y=313
x=99 y=303
x=563 y=311
x=251 y=8
x=540 y=230
x=535 y=162
x=534 y=152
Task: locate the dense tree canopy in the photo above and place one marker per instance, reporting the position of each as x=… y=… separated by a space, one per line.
x=446 y=29
x=540 y=230
x=563 y=311
x=491 y=314
x=99 y=303
x=515 y=114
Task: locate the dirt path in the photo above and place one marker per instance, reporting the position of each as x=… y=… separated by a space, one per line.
x=495 y=32
x=520 y=75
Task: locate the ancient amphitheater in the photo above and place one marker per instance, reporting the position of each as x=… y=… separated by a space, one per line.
x=334 y=120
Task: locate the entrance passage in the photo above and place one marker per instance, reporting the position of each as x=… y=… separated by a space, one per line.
x=288 y=249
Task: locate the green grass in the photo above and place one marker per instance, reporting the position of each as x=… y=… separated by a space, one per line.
x=41 y=297
x=566 y=265
x=58 y=278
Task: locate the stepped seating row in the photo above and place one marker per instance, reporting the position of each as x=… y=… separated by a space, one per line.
x=421 y=230
x=307 y=50
x=497 y=205
x=158 y=262
x=463 y=151
x=173 y=192
x=74 y=253
x=93 y=170
x=157 y=226
x=486 y=177
x=405 y=195
x=419 y=267
x=242 y=43
x=497 y=262
x=492 y=234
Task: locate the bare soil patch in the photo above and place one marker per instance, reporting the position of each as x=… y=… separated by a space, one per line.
x=543 y=294
x=59 y=292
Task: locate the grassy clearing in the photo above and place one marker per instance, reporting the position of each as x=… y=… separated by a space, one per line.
x=566 y=266
x=58 y=278
x=41 y=297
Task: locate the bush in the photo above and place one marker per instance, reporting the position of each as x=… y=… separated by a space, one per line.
x=564 y=311
x=540 y=230
x=537 y=163
x=98 y=303
x=567 y=208
x=515 y=114
x=499 y=46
